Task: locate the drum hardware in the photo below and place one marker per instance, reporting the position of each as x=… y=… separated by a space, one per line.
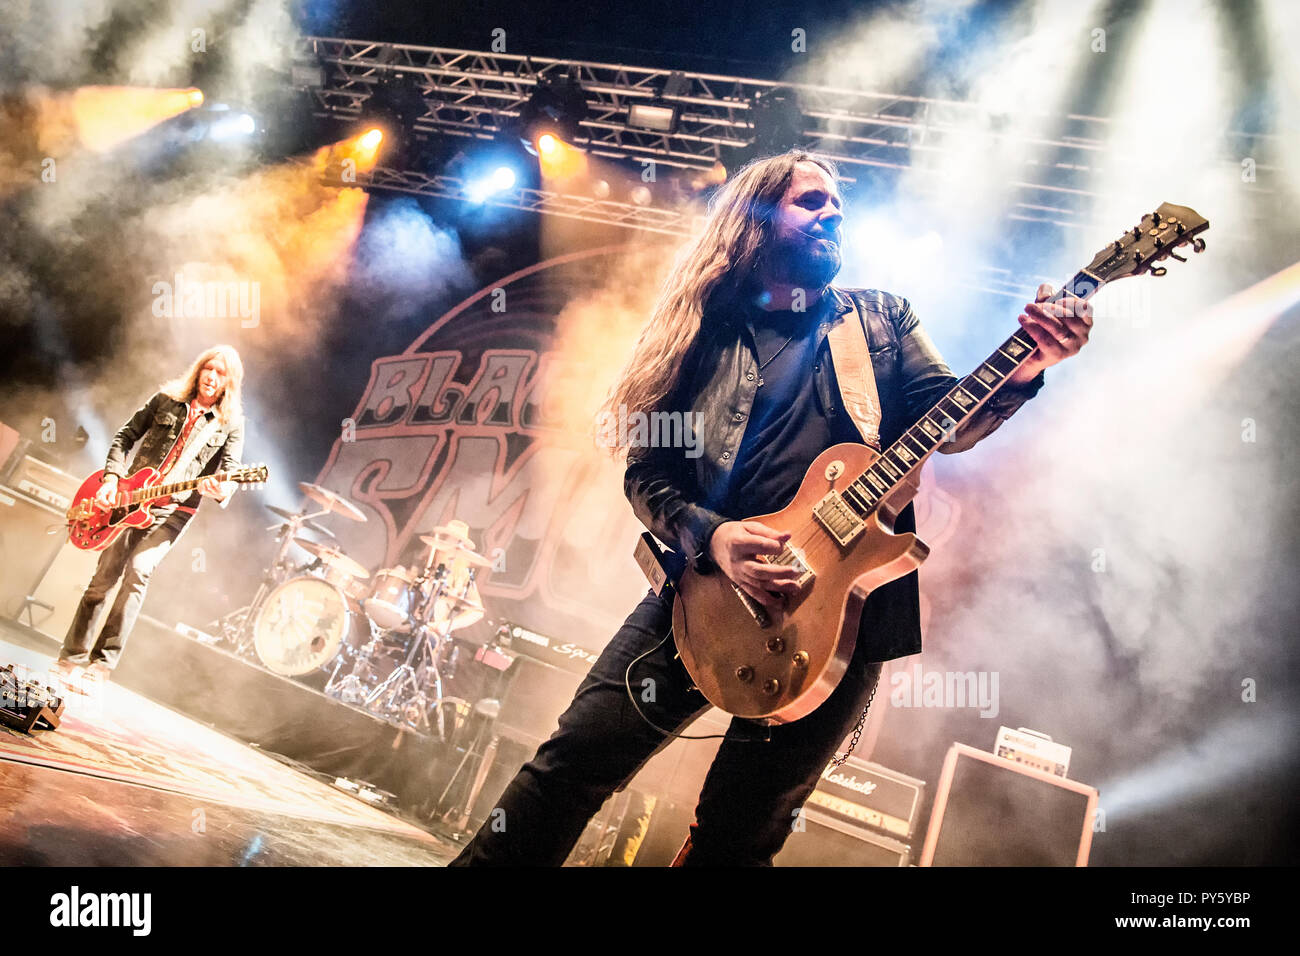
x=412 y=691
x=402 y=695
x=237 y=628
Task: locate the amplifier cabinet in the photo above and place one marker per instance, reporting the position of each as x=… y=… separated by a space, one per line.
x=30 y=560
x=991 y=811
x=825 y=840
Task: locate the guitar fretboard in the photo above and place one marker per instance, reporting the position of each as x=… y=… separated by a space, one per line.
x=162 y=491
x=942 y=421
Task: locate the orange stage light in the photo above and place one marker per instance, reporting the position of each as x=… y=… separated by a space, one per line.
x=106 y=116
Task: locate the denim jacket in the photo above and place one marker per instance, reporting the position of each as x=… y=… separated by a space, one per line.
x=675 y=495
x=156 y=426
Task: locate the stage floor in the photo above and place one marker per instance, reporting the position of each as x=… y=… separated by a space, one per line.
x=125 y=781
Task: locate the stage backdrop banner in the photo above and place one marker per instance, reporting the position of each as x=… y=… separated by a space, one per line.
x=457 y=426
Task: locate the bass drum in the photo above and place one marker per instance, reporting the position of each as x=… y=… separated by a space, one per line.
x=304 y=625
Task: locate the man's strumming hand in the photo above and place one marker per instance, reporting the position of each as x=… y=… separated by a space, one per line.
x=735 y=547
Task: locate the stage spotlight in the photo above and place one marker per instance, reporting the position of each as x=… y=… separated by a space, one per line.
x=499 y=180
x=230 y=126
x=195 y=97
x=778 y=121
x=640 y=196
x=547 y=144
x=657 y=116
x=557 y=107
x=371 y=138
x=600 y=189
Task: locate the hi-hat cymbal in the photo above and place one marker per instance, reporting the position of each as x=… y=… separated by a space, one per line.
x=292 y=517
x=332 y=501
x=333 y=557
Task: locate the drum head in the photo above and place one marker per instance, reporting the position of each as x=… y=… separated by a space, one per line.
x=301 y=626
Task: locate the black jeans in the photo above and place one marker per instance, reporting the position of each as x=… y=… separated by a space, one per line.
x=752 y=793
x=133 y=557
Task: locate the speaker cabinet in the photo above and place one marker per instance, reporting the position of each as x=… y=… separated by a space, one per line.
x=35 y=562
x=991 y=811
x=826 y=841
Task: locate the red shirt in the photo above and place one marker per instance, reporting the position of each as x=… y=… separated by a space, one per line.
x=193 y=414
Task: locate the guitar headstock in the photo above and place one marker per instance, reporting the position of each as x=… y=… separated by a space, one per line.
x=1154 y=239
x=249 y=475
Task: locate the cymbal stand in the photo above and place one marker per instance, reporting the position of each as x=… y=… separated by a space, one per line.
x=402 y=694
x=281 y=568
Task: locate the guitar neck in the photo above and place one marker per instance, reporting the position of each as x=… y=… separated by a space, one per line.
x=897 y=462
x=149 y=493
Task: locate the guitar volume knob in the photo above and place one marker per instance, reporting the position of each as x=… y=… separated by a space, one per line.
x=776 y=645
x=744 y=673
x=771 y=686
x=801 y=659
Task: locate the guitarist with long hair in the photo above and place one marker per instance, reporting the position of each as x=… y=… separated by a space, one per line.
x=193 y=426
x=749 y=336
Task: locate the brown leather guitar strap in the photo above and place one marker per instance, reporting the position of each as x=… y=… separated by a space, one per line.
x=852 y=360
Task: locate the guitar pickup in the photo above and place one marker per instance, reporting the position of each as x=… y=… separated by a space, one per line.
x=838 y=518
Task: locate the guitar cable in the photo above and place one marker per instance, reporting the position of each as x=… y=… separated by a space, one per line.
x=631 y=696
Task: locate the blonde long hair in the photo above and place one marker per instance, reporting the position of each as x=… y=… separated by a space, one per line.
x=710 y=270
x=230 y=405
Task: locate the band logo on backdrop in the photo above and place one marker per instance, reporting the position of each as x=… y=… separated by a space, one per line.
x=456 y=426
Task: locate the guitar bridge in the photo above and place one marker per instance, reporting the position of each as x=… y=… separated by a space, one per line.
x=841 y=521
x=792 y=558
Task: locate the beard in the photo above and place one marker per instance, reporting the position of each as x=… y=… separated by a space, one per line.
x=804 y=263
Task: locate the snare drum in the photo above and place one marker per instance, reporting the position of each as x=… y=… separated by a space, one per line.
x=391 y=598
x=305 y=624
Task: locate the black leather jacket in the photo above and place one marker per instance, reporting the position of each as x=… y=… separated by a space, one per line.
x=156 y=425
x=675 y=495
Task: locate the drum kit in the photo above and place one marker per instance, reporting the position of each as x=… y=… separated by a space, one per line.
x=383 y=640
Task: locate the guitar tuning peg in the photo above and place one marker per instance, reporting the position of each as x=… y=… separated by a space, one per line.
x=1158 y=271
x=1178 y=257
x=1198 y=244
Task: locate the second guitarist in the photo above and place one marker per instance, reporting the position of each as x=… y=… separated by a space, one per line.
x=738 y=338
x=193 y=426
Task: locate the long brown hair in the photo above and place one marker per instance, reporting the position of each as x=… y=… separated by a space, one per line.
x=709 y=270
x=230 y=407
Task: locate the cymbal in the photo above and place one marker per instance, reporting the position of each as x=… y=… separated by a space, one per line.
x=291 y=517
x=333 y=557
x=445 y=537
x=332 y=501
x=457 y=605
x=472 y=558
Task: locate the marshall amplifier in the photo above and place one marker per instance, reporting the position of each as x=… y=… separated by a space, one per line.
x=865 y=794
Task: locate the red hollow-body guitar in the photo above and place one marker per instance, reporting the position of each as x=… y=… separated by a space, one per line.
x=781 y=665
x=91 y=527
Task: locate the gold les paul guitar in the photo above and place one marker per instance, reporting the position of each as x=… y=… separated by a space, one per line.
x=781 y=665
